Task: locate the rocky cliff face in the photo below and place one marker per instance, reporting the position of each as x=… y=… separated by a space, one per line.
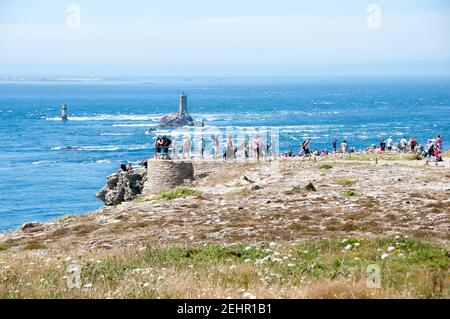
x=123 y=187
x=176 y=120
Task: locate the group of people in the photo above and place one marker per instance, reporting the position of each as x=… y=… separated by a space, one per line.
x=403 y=145
x=255 y=147
x=433 y=147
x=306 y=152
x=162 y=145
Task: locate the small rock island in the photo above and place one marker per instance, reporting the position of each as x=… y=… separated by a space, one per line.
x=182 y=118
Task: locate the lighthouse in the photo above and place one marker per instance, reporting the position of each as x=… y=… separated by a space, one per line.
x=183 y=104
x=64 y=116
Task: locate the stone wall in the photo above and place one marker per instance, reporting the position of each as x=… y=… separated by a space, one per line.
x=164 y=175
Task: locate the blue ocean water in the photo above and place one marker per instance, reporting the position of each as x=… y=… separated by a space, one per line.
x=41 y=180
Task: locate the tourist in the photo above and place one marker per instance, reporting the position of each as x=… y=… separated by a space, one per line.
x=382 y=145
x=256 y=147
x=229 y=153
x=389 y=143
x=402 y=144
x=174 y=150
x=202 y=148
x=437 y=151
x=166 y=142
x=158 y=146
x=123 y=167
x=216 y=145
x=344 y=147
x=439 y=141
x=305 y=148
x=335 y=141
x=412 y=144
x=187 y=147
x=129 y=168
x=268 y=149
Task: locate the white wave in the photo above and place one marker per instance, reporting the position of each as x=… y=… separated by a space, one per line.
x=103 y=161
x=43 y=162
x=117 y=134
x=103 y=148
x=112 y=117
x=136 y=125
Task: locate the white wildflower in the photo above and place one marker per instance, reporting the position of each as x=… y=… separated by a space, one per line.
x=248 y=295
x=146 y=285
x=348 y=247
x=272 y=244
x=384 y=256
x=391 y=249
x=247 y=261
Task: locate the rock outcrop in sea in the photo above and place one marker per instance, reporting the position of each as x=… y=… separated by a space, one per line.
x=182 y=118
x=176 y=120
x=123 y=187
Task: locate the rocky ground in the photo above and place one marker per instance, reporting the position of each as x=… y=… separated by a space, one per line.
x=287 y=202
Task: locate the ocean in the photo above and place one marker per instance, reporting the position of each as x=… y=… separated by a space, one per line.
x=50 y=168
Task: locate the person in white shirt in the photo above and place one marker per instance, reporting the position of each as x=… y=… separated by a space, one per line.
x=389 y=143
x=187 y=147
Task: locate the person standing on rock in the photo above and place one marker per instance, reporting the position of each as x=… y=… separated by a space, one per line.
x=256 y=147
x=439 y=141
x=166 y=142
x=187 y=147
x=202 y=148
x=389 y=143
x=158 y=146
x=344 y=147
x=229 y=153
x=335 y=141
x=216 y=144
x=305 y=148
x=382 y=145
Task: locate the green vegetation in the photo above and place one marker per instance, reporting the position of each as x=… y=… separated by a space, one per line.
x=325 y=166
x=345 y=182
x=328 y=268
x=350 y=193
x=177 y=193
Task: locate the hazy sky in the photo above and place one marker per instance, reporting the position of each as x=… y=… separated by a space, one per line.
x=208 y=38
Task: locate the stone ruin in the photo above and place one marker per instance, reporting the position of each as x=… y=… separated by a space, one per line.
x=164 y=175
x=159 y=175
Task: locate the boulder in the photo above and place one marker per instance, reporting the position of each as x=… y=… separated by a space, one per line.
x=30 y=225
x=123 y=187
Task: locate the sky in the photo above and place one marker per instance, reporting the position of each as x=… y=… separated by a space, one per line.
x=226 y=38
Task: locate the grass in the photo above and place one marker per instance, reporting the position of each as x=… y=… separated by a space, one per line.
x=177 y=193
x=328 y=268
x=350 y=193
x=325 y=166
x=345 y=182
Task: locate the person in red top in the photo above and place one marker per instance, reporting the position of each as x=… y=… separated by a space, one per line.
x=412 y=143
x=439 y=141
x=437 y=151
